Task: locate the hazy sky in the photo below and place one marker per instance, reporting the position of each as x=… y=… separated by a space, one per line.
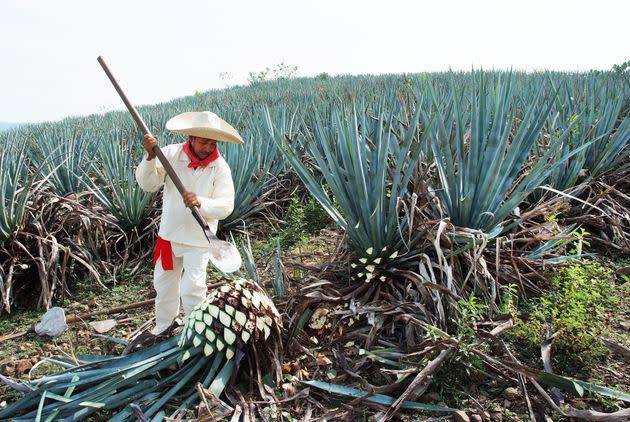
x=160 y=50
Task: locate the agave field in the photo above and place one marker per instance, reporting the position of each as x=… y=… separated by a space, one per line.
x=453 y=196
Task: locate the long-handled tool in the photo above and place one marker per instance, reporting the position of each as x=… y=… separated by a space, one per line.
x=223 y=255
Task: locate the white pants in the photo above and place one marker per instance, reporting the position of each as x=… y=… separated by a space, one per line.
x=193 y=261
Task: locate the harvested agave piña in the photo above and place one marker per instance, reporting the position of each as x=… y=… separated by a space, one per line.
x=230 y=317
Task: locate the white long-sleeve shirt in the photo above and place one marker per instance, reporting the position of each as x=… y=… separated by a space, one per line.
x=212 y=184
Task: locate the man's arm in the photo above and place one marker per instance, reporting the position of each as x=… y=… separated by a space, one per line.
x=150 y=174
x=221 y=204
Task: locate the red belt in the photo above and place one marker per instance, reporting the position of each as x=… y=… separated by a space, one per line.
x=163 y=250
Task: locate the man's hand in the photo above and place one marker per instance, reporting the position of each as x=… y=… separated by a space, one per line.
x=191 y=200
x=150 y=142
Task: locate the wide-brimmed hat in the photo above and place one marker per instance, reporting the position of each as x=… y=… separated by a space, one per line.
x=204 y=124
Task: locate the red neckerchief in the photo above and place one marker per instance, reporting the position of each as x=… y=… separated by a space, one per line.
x=163 y=250
x=194 y=161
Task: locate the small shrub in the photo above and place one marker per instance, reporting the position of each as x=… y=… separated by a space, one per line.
x=300 y=221
x=315 y=218
x=295 y=229
x=575 y=310
x=280 y=71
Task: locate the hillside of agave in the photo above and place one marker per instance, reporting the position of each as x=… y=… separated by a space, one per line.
x=397 y=161
x=445 y=185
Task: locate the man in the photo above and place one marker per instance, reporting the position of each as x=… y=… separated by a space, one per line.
x=181 y=244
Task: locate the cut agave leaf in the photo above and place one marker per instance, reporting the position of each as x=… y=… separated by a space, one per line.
x=256 y=300
x=210 y=335
x=213 y=310
x=377 y=398
x=208 y=349
x=229 y=353
x=229 y=336
x=222 y=378
x=225 y=319
x=577 y=387
x=560 y=382
x=220 y=344
x=240 y=317
x=604 y=391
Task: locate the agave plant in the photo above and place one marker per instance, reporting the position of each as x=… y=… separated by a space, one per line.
x=480 y=151
x=367 y=166
x=15 y=187
x=568 y=132
x=576 y=119
x=62 y=153
x=216 y=336
x=114 y=183
x=611 y=128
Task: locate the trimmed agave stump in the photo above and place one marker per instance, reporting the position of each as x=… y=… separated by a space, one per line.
x=216 y=336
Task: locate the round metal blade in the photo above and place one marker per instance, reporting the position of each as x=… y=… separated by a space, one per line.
x=224 y=256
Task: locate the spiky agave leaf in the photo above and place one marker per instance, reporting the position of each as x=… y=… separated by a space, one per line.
x=147 y=376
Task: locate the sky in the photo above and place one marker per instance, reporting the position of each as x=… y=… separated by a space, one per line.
x=159 y=50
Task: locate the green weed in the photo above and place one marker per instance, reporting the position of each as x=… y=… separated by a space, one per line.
x=301 y=220
x=575 y=311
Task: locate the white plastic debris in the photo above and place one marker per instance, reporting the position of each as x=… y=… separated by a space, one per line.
x=53 y=323
x=103 y=326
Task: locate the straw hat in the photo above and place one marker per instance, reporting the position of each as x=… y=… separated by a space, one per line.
x=204 y=124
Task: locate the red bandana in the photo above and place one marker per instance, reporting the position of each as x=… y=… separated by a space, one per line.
x=164 y=250
x=194 y=161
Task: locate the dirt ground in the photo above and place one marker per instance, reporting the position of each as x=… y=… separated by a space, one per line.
x=482 y=398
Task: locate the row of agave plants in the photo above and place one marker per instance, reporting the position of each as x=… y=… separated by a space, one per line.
x=419 y=171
